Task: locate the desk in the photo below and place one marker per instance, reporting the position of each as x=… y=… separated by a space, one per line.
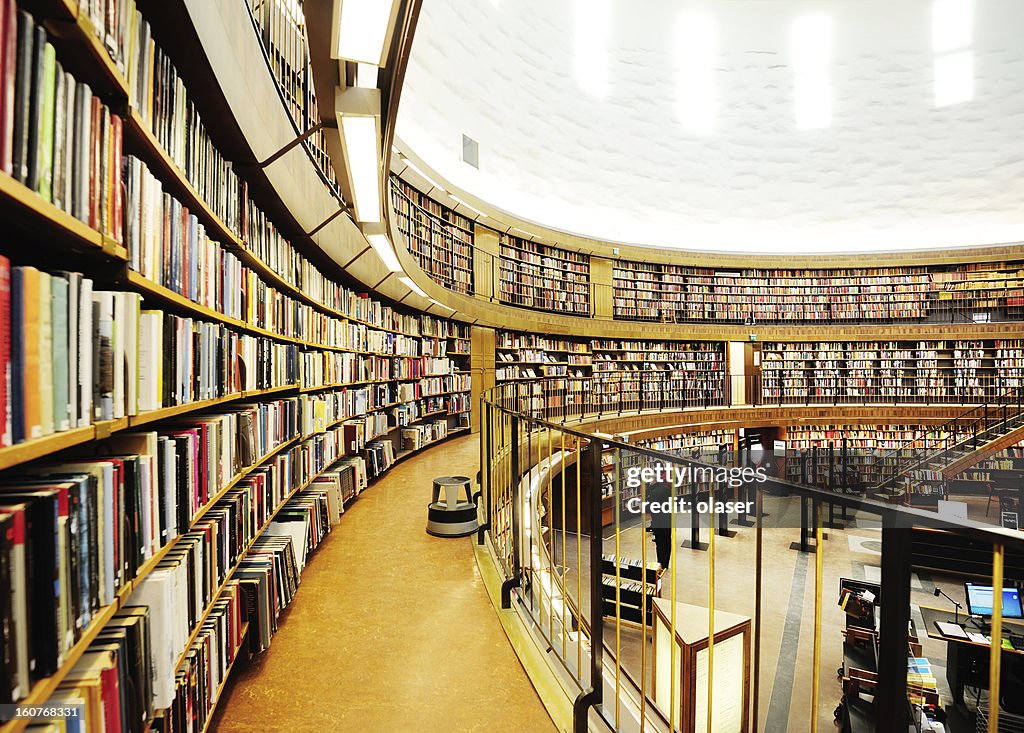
x=966 y=660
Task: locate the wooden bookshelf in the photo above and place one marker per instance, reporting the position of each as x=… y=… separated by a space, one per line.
x=962 y=372
x=543 y=277
x=42 y=690
x=440 y=239
x=80 y=48
x=648 y=291
x=521 y=356
x=648 y=375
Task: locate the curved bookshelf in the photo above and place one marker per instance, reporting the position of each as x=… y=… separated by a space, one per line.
x=109 y=262
x=948 y=287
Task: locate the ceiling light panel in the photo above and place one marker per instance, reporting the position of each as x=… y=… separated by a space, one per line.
x=593 y=20
x=382 y=246
x=360 y=137
x=363 y=30
x=954 y=78
x=413 y=286
x=952 y=22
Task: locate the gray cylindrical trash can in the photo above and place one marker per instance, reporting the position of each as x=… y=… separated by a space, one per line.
x=455 y=516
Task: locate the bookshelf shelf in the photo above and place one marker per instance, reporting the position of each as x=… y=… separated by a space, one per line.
x=440 y=239
x=244 y=635
x=141 y=141
x=177 y=163
x=671 y=293
x=21 y=199
x=44 y=688
x=542 y=277
x=40 y=447
x=31 y=450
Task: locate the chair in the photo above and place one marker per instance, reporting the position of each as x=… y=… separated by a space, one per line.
x=1007 y=502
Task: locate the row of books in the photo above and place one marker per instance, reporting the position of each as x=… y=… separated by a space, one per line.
x=128 y=675
x=75 y=355
x=56 y=137
x=440 y=328
x=512 y=340
x=159 y=96
x=689 y=442
x=84 y=526
x=536 y=252
x=545 y=296
x=665 y=292
x=535 y=275
x=439 y=238
x=64 y=144
x=416 y=437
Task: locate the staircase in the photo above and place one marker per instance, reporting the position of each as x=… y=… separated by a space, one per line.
x=922 y=465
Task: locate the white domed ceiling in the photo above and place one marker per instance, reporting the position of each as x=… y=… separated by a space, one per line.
x=771 y=126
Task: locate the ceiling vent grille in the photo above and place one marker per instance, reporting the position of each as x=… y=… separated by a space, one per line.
x=470 y=151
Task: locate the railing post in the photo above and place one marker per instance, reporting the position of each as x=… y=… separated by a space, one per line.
x=517 y=566
x=595 y=693
x=486 y=461
x=891 y=698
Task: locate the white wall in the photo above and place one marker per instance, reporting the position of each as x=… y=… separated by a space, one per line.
x=891 y=171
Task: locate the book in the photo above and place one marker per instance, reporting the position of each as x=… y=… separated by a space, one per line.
x=8 y=79
x=43 y=176
x=26 y=33
x=41 y=49
x=44 y=360
x=6 y=437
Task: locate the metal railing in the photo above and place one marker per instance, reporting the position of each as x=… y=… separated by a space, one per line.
x=565 y=398
x=558 y=513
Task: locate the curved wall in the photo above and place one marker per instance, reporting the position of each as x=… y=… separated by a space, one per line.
x=582 y=114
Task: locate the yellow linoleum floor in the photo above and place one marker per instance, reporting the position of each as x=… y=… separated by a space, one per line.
x=391 y=629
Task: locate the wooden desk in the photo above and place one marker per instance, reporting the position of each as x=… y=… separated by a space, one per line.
x=966 y=660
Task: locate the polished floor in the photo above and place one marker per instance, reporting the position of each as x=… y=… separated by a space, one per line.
x=391 y=630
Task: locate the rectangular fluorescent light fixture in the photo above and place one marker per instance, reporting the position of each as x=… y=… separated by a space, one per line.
x=382 y=246
x=695 y=59
x=366 y=76
x=951 y=25
x=359 y=136
x=954 y=78
x=362 y=29
x=471 y=208
x=413 y=286
x=358 y=113
x=593 y=19
x=424 y=176
x=442 y=305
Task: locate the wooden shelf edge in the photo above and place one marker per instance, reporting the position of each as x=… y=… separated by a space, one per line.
x=31 y=449
x=18 y=194
x=137 y=130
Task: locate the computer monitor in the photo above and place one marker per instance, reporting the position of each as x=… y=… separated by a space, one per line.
x=979 y=601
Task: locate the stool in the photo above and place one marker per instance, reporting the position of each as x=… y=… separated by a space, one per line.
x=456 y=515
